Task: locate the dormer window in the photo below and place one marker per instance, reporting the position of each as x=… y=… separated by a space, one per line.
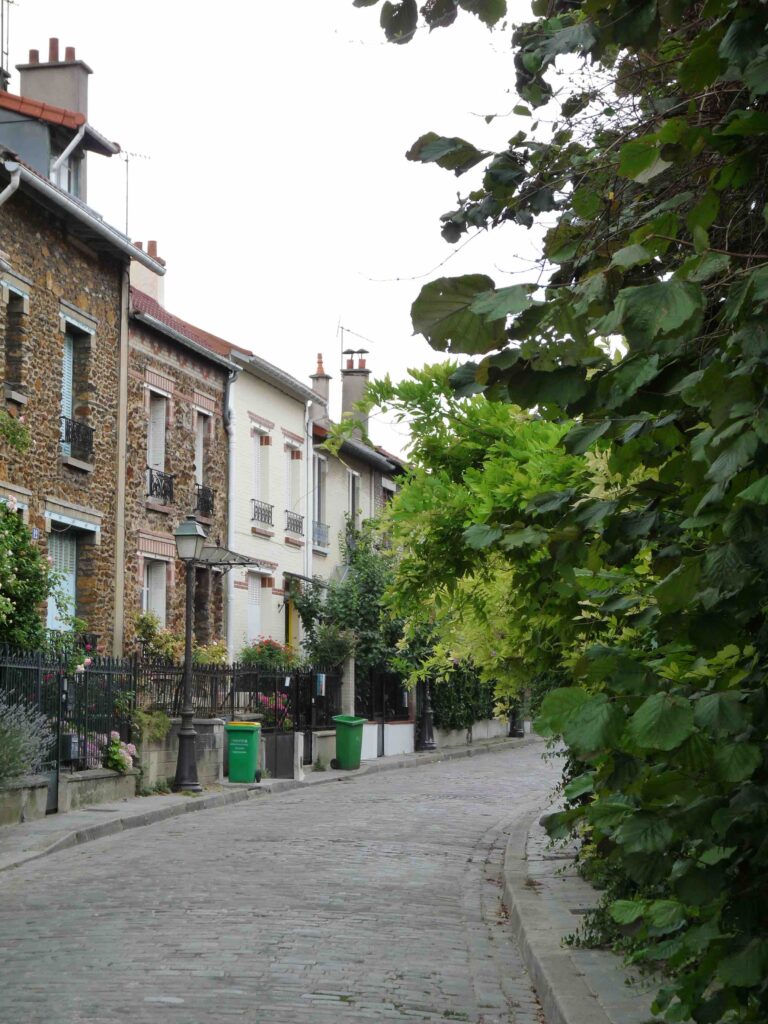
x=68 y=174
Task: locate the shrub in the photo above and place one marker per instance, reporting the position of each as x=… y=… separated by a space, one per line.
x=158 y=643
x=25 y=738
x=267 y=653
x=118 y=755
x=214 y=653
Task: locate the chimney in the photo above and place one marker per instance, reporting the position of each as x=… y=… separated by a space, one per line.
x=146 y=280
x=321 y=383
x=62 y=83
x=354 y=380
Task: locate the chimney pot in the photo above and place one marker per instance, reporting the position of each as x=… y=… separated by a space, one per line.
x=320 y=371
x=34 y=56
x=53 y=50
x=139 y=245
x=69 y=53
x=152 y=249
x=361 y=363
x=350 y=363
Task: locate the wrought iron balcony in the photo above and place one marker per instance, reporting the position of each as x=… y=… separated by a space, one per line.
x=320 y=534
x=77 y=435
x=160 y=485
x=294 y=523
x=261 y=512
x=204 y=500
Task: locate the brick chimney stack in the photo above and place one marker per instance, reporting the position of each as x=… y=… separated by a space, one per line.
x=354 y=380
x=320 y=383
x=62 y=83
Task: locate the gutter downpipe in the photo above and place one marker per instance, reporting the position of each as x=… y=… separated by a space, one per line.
x=229 y=427
x=14 y=183
x=118 y=635
x=63 y=156
x=309 y=490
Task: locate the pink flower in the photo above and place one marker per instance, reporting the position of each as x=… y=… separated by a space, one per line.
x=88 y=647
x=87 y=662
x=114 y=735
x=130 y=748
x=11 y=503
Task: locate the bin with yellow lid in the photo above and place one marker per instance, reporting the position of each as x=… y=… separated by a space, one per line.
x=243 y=751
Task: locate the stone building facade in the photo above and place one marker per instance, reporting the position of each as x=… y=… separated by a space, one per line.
x=63 y=298
x=176 y=465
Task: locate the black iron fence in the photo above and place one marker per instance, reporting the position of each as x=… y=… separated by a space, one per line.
x=382 y=696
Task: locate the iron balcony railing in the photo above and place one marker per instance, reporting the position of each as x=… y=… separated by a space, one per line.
x=160 y=485
x=294 y=523
x=320 y=534
x=78 y=435
x=204 y=500
x=261 y=512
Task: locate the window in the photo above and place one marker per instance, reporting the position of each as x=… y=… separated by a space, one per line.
x=353 y=498
x=320 y=530
x=261 y=447
x=154 y=589
x=76 y=433
x=67 y=175
x=156 y=432
x=292 y=479
x=62 y=547
x=15 y=326
x=253 y=626
x=202 y=430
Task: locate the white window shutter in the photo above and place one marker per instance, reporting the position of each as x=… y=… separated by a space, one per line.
x=67 y=369
x=154 y=586
x=156 y=433
x=254 y=607
x=201 y=427
x=62 y=547
x=257 y=467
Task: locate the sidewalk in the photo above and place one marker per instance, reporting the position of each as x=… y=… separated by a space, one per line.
x=30 y=840
x=546 y=900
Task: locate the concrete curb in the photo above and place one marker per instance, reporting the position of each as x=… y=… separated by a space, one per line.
x=235 y=793
x=574 y=986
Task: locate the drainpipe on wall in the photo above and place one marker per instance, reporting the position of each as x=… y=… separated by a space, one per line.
x=308 y=489
x=229 y=427
x=13 y=184
x=118 y=634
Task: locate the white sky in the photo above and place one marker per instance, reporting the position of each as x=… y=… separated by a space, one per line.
x=277 y=185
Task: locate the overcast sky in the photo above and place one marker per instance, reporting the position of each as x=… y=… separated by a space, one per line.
x=272 y=168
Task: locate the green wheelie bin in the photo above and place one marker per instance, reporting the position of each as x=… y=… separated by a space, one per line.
x=349 y=742
x=243 y=751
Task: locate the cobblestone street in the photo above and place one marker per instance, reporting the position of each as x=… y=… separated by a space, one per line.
x=374 y=899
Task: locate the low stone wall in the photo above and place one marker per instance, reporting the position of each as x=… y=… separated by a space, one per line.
x=158 y=757
x=487 y=729
x=398 y=738
x=95 y=786
x=23 y=799
x=324 y=746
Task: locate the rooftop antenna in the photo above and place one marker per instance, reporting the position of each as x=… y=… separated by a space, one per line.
x=127 y=156
x=5 y=23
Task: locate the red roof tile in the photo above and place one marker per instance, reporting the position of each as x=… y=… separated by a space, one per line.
x=42 y=111
x=144 y=303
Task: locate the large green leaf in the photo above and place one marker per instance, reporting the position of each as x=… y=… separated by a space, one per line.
x=680 y=587
x=495 y=305
x=737 y=761
x=558 y=706
x=734 y=458
x=661 y=722
x=488 y=11
x=627 y=911
x=747 y=967
x=581 y=437
x=645 y=833
x=399 y=20
x=443 y=314
x=721 y=712
x=594 y=725
x=454 y=154
x=648 y=311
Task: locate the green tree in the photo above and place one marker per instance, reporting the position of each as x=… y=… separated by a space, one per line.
x=25 y=582
x=651 y=192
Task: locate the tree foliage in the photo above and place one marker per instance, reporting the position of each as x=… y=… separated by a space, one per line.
x=25 y=582
x=651 y=190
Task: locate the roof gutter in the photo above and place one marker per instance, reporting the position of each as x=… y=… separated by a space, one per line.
x=10 y=188
x=158 y=325
x=72 y=145
x=84 y=215
x=272 y=374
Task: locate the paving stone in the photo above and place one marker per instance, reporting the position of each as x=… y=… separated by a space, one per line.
x=375 y=900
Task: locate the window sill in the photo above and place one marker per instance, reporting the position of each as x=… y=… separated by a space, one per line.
x=205 y=520
x=322 y=552
x=73 y=463
x=262 y=533
x=292 y=542
x=155 y=506
x=15 y=396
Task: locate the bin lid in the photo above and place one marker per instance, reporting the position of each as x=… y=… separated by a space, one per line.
x=243 y=725
x=349 y=720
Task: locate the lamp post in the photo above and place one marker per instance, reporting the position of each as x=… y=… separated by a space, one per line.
x=190 y=537
x=426 y=734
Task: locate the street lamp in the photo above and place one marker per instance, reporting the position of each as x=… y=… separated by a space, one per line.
x=426 y=734
x=190 y=538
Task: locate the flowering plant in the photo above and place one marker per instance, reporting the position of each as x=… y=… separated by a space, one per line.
x=268 y=654
x=273 y=708
x=118 y=755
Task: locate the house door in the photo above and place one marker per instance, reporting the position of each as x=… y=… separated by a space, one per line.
x=62 y=547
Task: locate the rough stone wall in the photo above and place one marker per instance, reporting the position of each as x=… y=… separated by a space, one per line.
x=191 y=382
x=57 y=270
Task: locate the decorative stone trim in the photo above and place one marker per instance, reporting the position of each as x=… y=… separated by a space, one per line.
x=293 y=437
x=158 y=382
x=294 y=543
x=73 y=463
x=260 y=420
x=159 y=546
x=205 y=402
x=262 y=533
